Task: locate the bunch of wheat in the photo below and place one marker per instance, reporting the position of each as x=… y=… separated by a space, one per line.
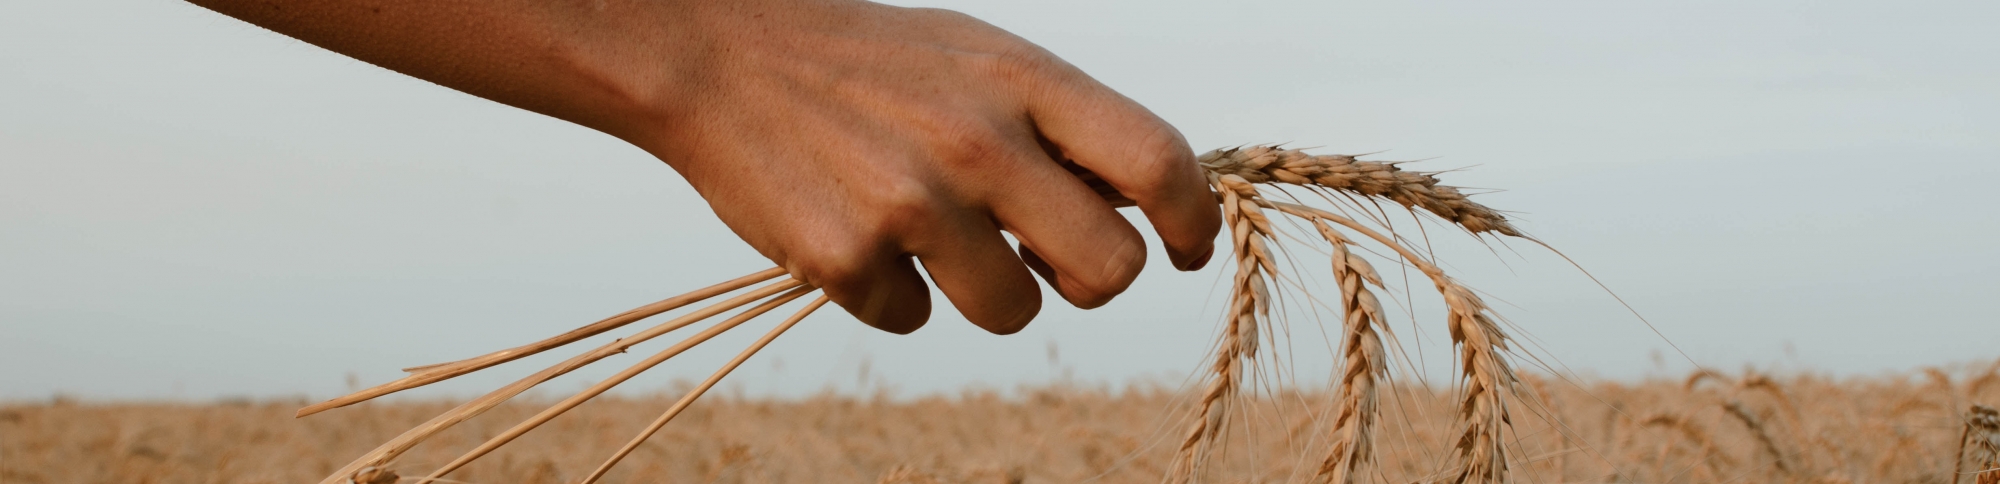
x=1486 y=379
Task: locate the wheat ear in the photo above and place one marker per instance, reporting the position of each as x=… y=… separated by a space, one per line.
x=1249 y=301
x=1365 y=364
x=1271 y=164
x=1485 y=376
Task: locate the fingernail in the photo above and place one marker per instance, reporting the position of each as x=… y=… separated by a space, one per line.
x=1200 y=261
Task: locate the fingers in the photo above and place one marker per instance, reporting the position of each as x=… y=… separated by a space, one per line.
x=1069 y=234
x=1135 y=152
x=882 y=291
x=969 y=260
x=870 y=271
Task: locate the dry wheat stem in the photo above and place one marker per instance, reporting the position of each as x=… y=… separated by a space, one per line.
x=1364 y=362
x=695 y=393
x=376 y=475
x=428 y=374
x=388 y=451
x=627 y=374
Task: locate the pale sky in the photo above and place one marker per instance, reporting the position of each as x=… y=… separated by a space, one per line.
x=193 y=208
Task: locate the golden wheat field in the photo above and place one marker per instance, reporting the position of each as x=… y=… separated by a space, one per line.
x=1707 y=427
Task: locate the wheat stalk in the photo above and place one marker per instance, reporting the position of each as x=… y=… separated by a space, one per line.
x=1249 y=301
x=428 y=374
x=1486 y=376
x=390 y=450
x=698 y=390
x=1487 y=380
x=376 y=475
x=1365 y=364
x=1271 y=164
x=603 y=386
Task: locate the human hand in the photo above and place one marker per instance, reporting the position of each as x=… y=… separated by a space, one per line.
x=841 y=138
x=838 y=137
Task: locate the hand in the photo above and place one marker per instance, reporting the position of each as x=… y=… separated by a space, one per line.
x=839 y=138
x=842 y=138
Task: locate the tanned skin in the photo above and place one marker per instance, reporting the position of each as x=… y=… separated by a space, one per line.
x=840 y=138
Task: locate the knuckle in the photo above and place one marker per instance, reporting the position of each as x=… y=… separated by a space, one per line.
x=961 y=144
x=834 y=262
x=968 y=144
x=1120 y=268
x=901 y=205
x=956 y=132
x=1159 y=159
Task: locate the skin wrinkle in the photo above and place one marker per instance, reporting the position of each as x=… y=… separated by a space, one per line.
x=1120 y=269
x=1079 y=291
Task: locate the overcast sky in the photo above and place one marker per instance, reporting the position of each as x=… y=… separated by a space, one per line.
x=192 y=207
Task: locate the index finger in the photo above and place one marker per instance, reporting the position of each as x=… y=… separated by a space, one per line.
x=1135 y=152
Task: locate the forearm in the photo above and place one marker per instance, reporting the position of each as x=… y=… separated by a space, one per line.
x=597 y=64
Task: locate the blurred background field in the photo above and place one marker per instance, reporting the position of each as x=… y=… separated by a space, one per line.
x=1705 y=428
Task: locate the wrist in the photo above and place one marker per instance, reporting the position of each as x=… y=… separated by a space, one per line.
x=633 y=59
x=659 y=63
